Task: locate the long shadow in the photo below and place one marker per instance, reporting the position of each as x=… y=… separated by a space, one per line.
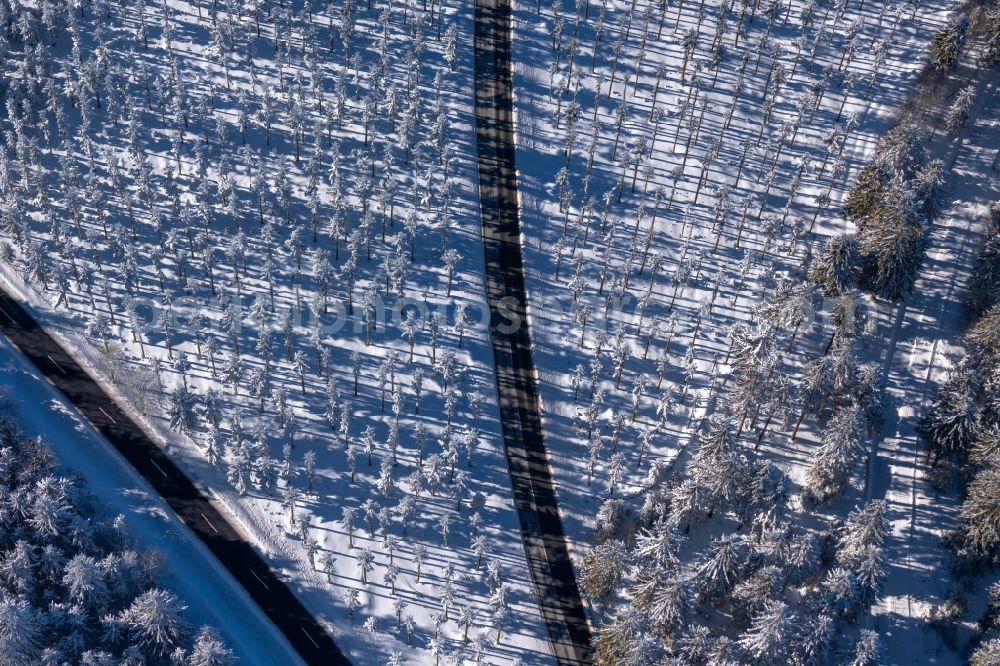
x=531 y=478
x=267 y=590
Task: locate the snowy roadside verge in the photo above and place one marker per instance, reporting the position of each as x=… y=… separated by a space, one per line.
x=212 y=596
x=83 y=352
x=256 y=530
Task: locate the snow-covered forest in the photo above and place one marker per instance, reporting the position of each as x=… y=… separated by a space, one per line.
x=264 y=217
x=75 y=588
x=258 y=223
x=726 y=208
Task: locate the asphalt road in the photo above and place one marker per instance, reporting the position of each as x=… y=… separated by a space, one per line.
x=193 y=507
x=531 y=476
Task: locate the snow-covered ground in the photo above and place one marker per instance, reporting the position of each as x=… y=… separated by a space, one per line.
x=193 y=573
x=193 y=130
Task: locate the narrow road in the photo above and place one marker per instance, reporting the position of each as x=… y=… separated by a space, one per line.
x=193 y=507
x=531 y=478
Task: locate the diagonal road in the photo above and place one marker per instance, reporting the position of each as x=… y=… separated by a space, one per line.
x=531 y=477
x=193 y=507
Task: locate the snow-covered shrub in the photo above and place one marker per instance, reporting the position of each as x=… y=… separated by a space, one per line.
x=943 y=617
x=843 y=444
x=615 y=520
x=868 y=650
x=835 y=266
x=601 y=570
x=987 y=654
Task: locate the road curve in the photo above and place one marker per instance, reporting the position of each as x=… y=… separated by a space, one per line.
x=531 y=476
x=193 y=507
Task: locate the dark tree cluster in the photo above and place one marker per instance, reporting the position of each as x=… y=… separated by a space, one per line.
x=73 y=588
x=654 y=595
x=984 y=283
x=947 y=45
x=891 y=204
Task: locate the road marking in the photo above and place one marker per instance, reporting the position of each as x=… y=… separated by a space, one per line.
x=108 y=415
x=159 y=468
x=262 y=582
x=8 y=316
x=208 y=521
x=61 y=369
x=308 y=636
